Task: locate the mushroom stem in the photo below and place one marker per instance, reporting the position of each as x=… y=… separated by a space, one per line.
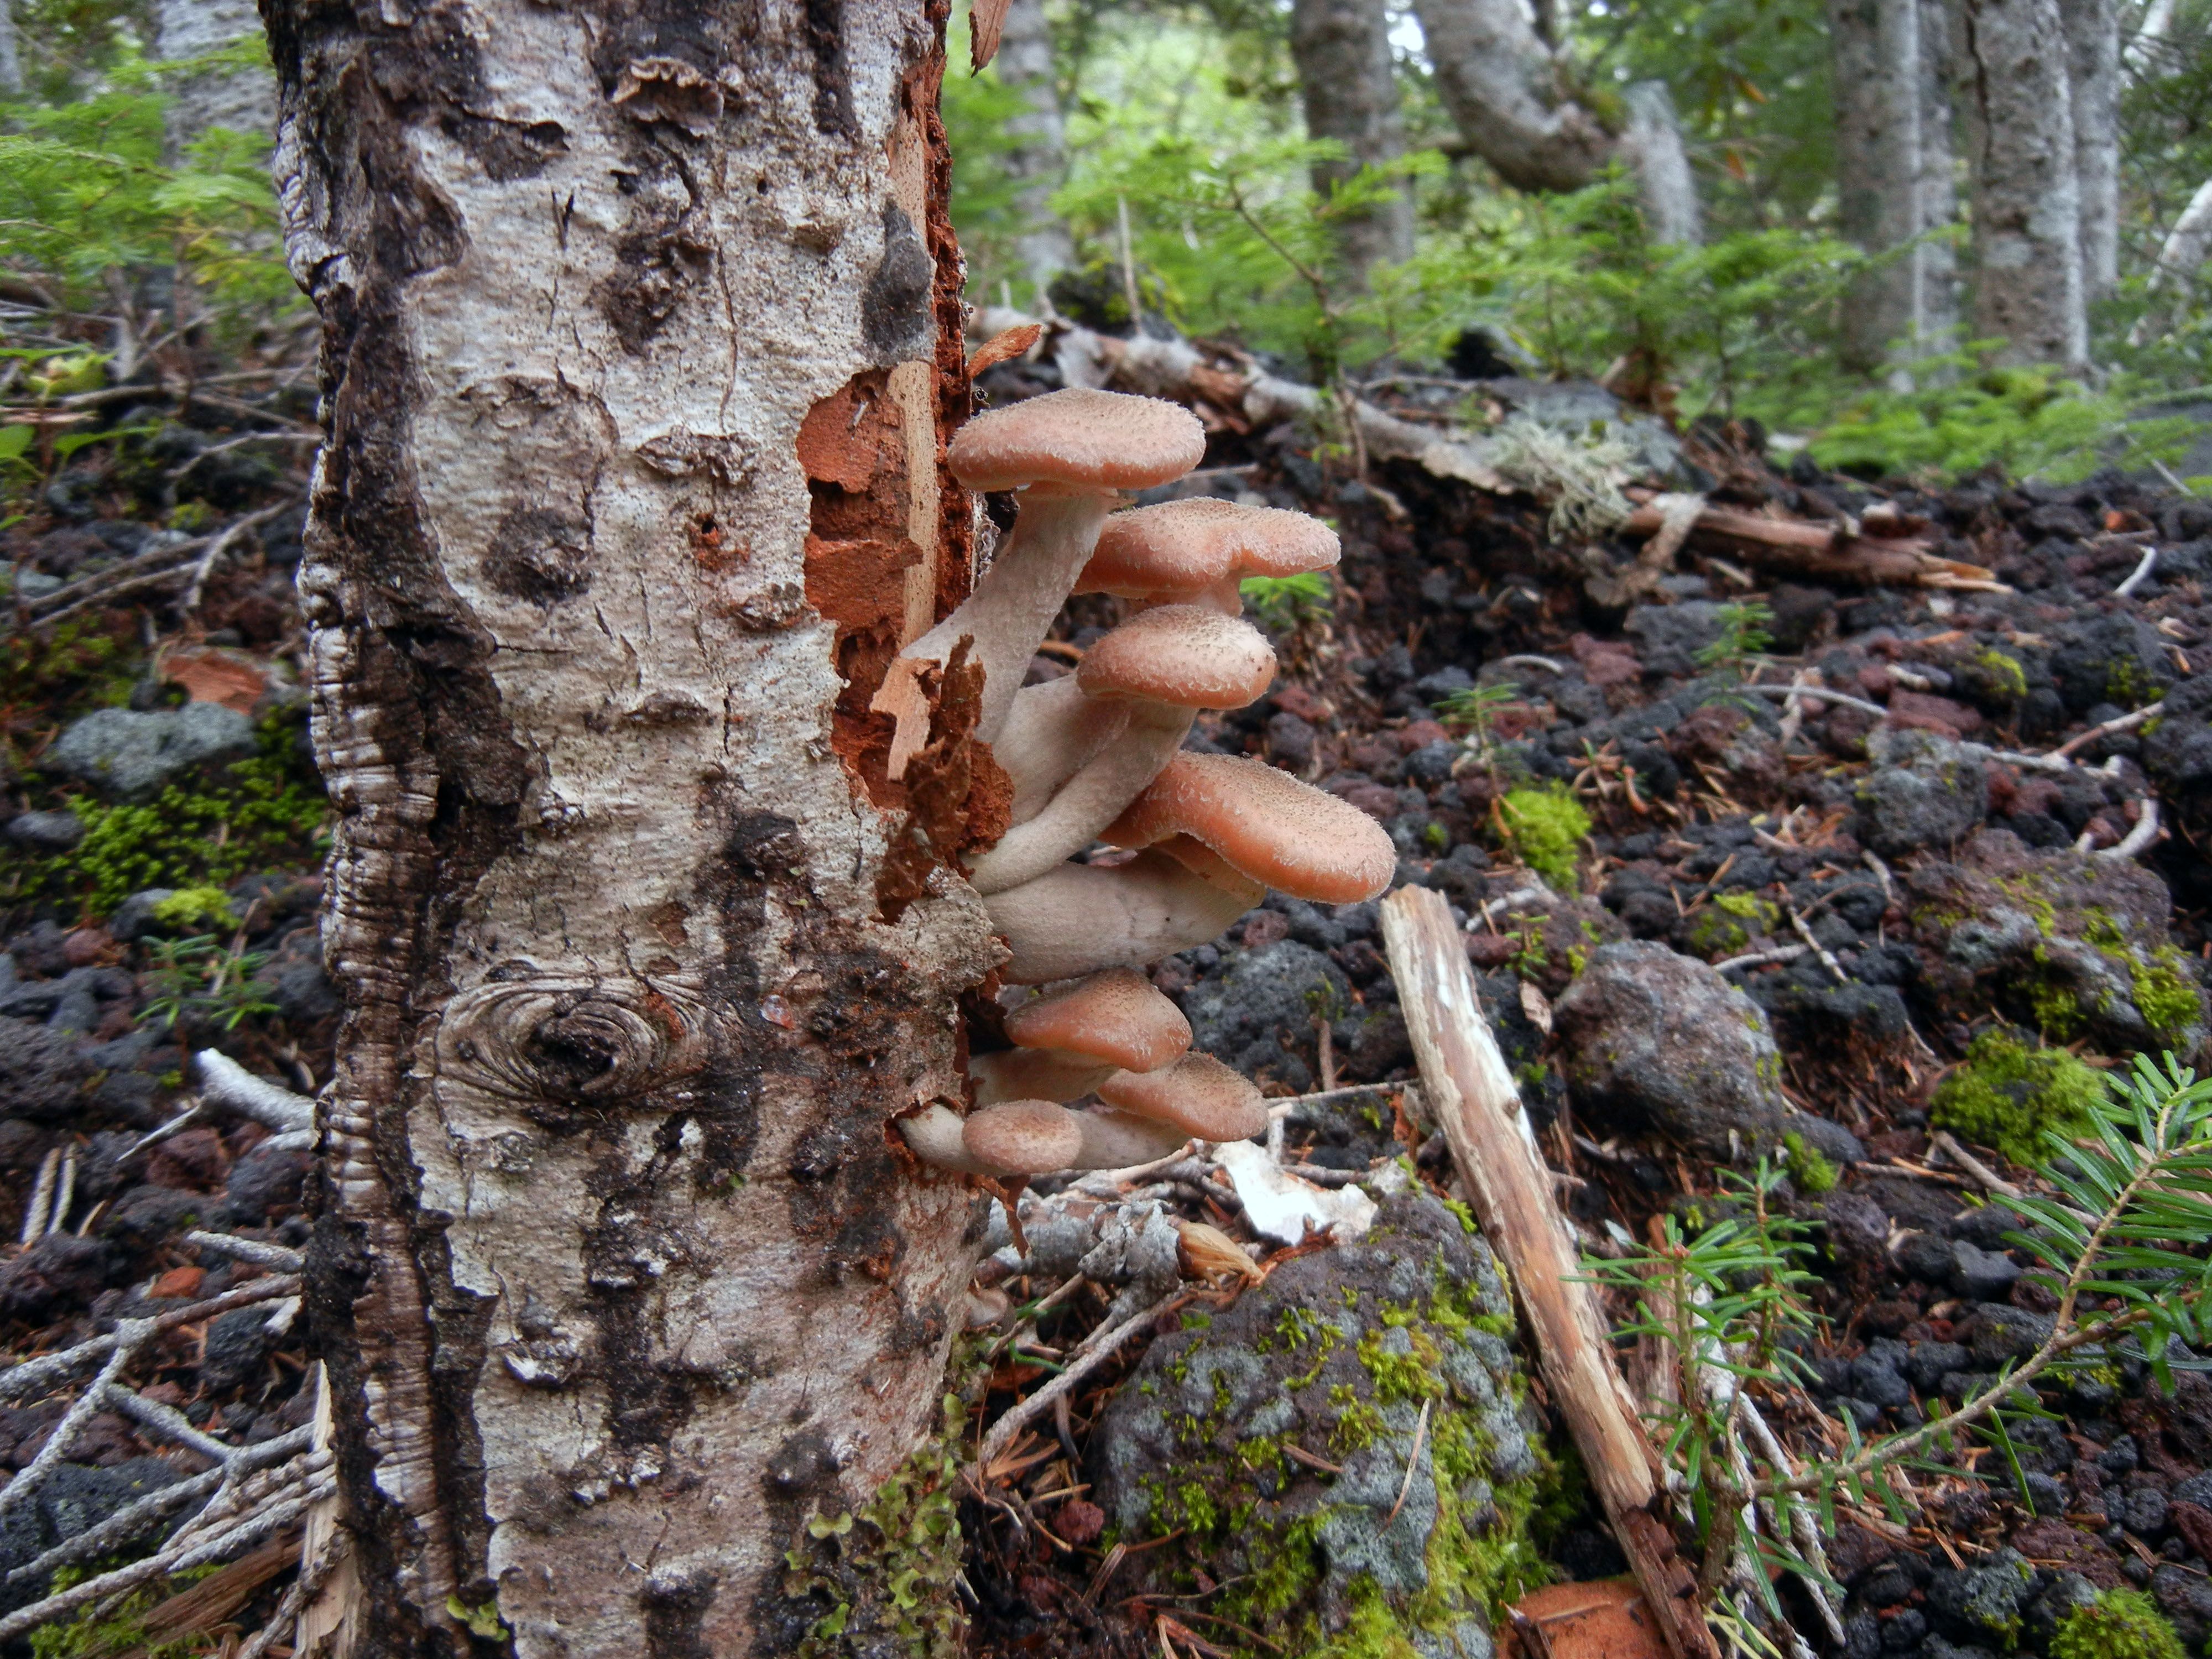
x=1088 y=801
x=1018 y=596
x=1052 y=732
x=1120 y=1140
x=1078 y=918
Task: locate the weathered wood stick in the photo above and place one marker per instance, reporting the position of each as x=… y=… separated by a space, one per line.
x=1799 y=547
x=1469 y=1088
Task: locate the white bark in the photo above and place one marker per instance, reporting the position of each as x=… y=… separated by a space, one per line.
x=2188 y=243
x=2093 y=53
x=2144 y=44
x=240 y=99
x=1349 y=87
x=2028 y=286
x=634 y=351
x=1039 y=161
x=11 y=65
x=1653 y=146
x=1894 y=170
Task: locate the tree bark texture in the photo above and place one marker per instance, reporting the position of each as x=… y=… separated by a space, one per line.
x=1349 y=87
x=242 y=100
x=1501 y=86
x=2093 y=56
x=640 y=340
x=11 y=65
x=2188 y=243
x=1038 y=161
x=2028 y=287
x=1653 y=145
x=1895 y=169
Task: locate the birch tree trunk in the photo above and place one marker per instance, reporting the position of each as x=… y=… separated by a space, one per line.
x=1653 y=145
x=1038 y=160
x=2092 y=55
x=1349 y=87
x=1894 y=170
x=242 y=99
x=2028 y=286
x=641 y=337
x=11 y=66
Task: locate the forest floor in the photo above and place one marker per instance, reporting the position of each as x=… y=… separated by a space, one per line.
x=1933 y=929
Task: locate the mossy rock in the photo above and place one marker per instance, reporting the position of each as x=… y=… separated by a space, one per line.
x=1270 y=1446
x=2007 y=1095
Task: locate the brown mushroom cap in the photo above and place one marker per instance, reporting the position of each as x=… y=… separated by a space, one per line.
x=1023 y=1137
x=1116 y=1017
x=1077 y=439
x=1184 y=655
x=1186 y=545
x=1118 y=1141
x=1198 y=1095
x=1266 y=824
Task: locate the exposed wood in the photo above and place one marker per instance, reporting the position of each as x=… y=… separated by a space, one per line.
x=986 y=20
x=1796 y=548
x=1470 y=1088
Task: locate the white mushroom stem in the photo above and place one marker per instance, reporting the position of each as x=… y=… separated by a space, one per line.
x=1088 y=801
x=933 y=1136
x=1035 y=1074
x=1016 y=600
x=1052 y=732
x=1116 y=1140
x=1078 y=918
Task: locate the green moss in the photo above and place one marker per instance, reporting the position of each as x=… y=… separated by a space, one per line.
x=2120 y=1624
x=1544 y=829
x=122 y=1628
x=1726 y=925
x=1808 y=1168
x=196 y=909
x=2008 y=1096
x=2166 y=993
x=883 y=1579
x=2003 y=677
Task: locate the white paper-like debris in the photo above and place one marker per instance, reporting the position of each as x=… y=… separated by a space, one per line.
x=1285 y=1207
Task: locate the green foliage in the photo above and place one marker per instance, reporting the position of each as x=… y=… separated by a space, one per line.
x=2011 y=1096
x=979 y=111
x=1545 y=826
x=1743 y=636
x=2120 y=1624
x=205 y=981
x=188 y=907
x=1284 y=603
x=103 y=1629
x=1809 y=1168
x=1961 y=416
x=1474 y=710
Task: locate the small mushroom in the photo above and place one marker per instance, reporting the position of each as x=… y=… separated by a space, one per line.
x=1165 y=665
x=1023 y=1137
x=1069 y=1041
x=1078 y=918
x=1197 y=550
x=1198 y=1095
x=1070 y=452
x=1266 y=824
x=933 y=1135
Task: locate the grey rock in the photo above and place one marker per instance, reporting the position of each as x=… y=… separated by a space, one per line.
x=2001 y=1331
x=134 y=919
x=1985 y=1600
x=46 y=832
x=2142 y=1511
x=39 y=1071
x=1981 y=1275
x=1926 y=1257
x=265 y=1179
x=131 y=755
x=1925 y=791
x=1832 y=1140
x=236 y=1344
x=1660 y=1040
x=1669 y=636
x=2194 y=1489
x=2067 y=1591
x=1237 y=1017
x=146 y=1215
x=60 y=1270
x=1930 y=1361
x=75 y=1498
x=1300 y=1361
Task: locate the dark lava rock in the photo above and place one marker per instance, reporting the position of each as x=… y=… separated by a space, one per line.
x=1241 y=1016
x=237 y=1343
x=2117 y=659
x=1985 y=1600
x=267 y=1178
x=59 y=1271
x=46 y=832
x=39 y=1071
x=1981 y=1275
x=1669 y=636
x=1925 y=791
x=75 y=1498
x=1660 y=1040
x=146 y=1215
x=1335 y=1355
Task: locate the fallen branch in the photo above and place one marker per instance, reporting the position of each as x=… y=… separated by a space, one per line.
x=1470 y=1087
x=1795 y=547
x=1096 y=1350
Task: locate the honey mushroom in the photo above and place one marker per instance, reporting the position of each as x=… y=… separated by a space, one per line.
x=1068 y=1042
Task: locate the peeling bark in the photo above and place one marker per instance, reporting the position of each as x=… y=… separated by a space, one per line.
x=1349 y=87
x=619 y=1276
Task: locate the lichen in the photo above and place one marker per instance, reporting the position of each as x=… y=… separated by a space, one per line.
x=1544 y=828
x=1728 y=923
x=2120 y=1624
x=1809 y=1169
x=2008 y=1096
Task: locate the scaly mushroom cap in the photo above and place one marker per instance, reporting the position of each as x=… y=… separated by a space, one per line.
x=1189 y=546
x=1266 y=824
x=1023 y=1137
x=1118 y=1140
x=1077 y=439
x=1116 y=1017
x=1184 y=655
x=1198 y=1095
x=933 y=1134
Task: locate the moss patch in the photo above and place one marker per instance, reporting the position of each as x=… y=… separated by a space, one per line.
x=2120 y=1624
x=2007 y=1095
x=1544 y=829
x=1809 y=1169
x=1725 y=926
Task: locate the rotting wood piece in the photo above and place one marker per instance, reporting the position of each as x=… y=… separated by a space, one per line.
x=1798 y=547
x=1469 y=1089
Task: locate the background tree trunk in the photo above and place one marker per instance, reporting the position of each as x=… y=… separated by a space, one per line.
x=1349 y=87
x=1039 y=160
x=242 y=100
x=1894 y=171
x=11 y=67
x=2028 y=287
x=2093 y=54
x=1653 y=146
x=640 y=338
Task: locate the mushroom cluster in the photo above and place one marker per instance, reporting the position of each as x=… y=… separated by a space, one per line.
x=1099 y=1073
